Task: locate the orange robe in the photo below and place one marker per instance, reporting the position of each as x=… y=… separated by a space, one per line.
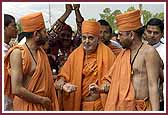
x=72 y=72
x=89 y=75
x=41 y=82
x=121 y=96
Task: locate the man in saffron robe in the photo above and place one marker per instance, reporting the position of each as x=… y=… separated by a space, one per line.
x=28 y=76
x=135 y=73
x=85 y=67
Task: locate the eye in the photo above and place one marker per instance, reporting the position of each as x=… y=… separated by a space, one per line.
x=90 y=37
x=149 y=32
x=83 y=37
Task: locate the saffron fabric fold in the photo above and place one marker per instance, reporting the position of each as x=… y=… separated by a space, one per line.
x=32 y=22
x=129 y=21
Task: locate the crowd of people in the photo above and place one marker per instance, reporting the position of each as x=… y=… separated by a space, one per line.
x=91 y=69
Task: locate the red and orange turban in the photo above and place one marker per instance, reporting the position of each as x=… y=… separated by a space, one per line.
x=91 y=27
x=32 y=22
x=129 y=21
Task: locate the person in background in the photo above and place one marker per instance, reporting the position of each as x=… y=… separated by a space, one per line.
x=106 y=35
x=153 y=34
x=61 y=43
x=10 y=31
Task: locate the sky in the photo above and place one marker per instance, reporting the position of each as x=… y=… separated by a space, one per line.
x=88 y=10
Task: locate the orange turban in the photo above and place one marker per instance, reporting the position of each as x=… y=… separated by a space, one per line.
x=91 y=27
x=32 y=22
x=129 y=21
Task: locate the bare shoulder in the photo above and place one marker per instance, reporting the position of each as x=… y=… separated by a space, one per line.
x=15 y=54
x=150 y=52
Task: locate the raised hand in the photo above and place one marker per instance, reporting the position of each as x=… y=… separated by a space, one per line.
x=76 y=6
x=69 y=7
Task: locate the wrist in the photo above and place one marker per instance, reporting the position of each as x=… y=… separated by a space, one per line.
x=76 y=9
x=63 y=85
x=68 y=11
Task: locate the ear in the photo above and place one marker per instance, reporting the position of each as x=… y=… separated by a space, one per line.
x=132 y=34
x=162 y=34
x=36 y=36
x=5 y=28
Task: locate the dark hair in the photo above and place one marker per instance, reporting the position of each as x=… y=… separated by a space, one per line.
x=8 y=19
x=139 y=31
x=156 y=22
x=24 y=34
x=105 y=23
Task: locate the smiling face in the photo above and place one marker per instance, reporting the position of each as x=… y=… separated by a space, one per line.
x=89 y=42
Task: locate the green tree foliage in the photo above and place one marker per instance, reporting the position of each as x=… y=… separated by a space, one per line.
x=19 y=27
x=130 y=9
x=109 y=16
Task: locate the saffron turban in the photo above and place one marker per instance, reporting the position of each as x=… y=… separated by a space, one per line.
x=32 y=22
x=91 y=27
x=129 y=21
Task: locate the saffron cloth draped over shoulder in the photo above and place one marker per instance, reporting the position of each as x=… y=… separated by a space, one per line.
x=72 y=72
x=41 y=83
x=121 y=94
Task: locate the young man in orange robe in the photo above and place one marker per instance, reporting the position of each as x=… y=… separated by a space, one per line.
x=83 y=72
x=28 y=76
x=134 y=75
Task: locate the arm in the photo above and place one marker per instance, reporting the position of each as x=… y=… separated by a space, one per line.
x=79 y=18
x=153 y=67
x=67 y=12
x=17 y=81
x=58 y=25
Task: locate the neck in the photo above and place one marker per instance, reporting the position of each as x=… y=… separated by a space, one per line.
x=107 y=42
x=32 y=45
x=135 y=44
x=7 y=39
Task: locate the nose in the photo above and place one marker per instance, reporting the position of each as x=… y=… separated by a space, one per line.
x=101 y=34
x=152 y=34
x=87 y=40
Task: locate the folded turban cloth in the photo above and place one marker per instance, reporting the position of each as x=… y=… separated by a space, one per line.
x=91 y=27
x=129 y=21
x=32 y=22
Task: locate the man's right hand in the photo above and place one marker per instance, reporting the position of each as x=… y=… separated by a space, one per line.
x=46 y=102
x=69 y=87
